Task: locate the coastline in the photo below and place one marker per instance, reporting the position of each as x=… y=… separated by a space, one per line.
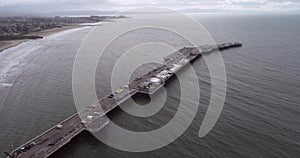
x=12 y=43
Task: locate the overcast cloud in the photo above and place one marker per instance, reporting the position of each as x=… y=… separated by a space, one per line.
x=121 y=5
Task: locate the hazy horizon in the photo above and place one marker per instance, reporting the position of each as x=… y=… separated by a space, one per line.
x=85 y=7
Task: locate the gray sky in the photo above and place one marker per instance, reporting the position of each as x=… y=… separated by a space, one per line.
x=122 y=5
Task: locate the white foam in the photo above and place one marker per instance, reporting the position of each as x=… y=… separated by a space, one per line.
x=13 y=59
x=5 y=84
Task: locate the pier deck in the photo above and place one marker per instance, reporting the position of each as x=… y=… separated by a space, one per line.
x=94 y=119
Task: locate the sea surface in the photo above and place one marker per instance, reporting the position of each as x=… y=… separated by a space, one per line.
x=260 y=118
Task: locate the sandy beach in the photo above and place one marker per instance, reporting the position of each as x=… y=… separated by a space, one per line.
x=12 y=43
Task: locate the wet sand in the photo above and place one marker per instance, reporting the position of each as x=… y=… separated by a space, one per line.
x=12 y=43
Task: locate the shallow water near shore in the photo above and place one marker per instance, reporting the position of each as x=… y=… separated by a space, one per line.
x=260 y=117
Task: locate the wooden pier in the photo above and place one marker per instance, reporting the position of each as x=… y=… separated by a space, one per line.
x=94 y=117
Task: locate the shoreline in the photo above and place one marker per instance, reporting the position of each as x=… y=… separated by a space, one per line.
x=12 y=43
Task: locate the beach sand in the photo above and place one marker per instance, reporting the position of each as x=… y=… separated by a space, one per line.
x=12 y=43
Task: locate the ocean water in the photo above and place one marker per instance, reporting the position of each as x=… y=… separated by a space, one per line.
x=260 y=118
